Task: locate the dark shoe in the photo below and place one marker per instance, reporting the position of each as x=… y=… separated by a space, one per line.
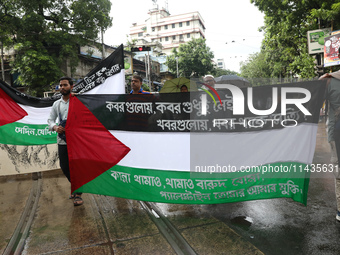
x=72 y=196
x=78 y=201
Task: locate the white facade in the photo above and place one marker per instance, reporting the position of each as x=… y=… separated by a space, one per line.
x=168 y=30
x=220 y=63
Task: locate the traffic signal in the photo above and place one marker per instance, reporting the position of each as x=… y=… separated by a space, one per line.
x=141 y=48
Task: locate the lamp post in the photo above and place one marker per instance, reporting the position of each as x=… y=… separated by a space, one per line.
x=2 y=62
x=177 y=66
x=150 y=71
x=103 y=47
x=146 y=68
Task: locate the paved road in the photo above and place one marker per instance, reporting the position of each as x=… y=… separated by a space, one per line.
x=108 y=225
x=281 y=226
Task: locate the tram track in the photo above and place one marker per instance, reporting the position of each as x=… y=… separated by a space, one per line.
x=177 y=242
x=16 y=244
x=104 y=209
x=20 y=234
x=169 y=232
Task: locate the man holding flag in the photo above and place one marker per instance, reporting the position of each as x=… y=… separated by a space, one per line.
x=60 y=110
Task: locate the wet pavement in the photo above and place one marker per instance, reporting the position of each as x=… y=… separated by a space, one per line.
x=109 y=225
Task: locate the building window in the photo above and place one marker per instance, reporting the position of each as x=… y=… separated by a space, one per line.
x=173 y=37
x=180 y=24
x=188 y=23
x=181 y=37
x=166 y=39
x=159 y=28
x=166 y=27
x=160 y=39
x=173 y=25
x=153 y=29
x=140 y=34
x=188 y=35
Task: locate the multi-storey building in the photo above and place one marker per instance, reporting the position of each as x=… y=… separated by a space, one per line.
x=220 y=63
x=168 y=30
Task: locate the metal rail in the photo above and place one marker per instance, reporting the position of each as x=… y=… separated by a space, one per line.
x=17 y=242
x=170 y=233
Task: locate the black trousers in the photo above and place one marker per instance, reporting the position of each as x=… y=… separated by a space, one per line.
x=64 y=164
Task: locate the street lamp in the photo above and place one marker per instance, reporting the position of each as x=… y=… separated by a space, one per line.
x=2 y=62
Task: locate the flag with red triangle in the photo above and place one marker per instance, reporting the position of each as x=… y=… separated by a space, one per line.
x=163 y=149
x=92 y=149
x=13 y=113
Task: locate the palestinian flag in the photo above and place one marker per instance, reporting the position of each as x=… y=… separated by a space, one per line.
x=23 y=119
x=162 y=148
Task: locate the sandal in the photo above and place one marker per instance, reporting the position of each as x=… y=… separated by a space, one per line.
x=77 y=201
x=72 y=196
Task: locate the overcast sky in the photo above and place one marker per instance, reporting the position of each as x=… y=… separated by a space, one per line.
x=225 y=21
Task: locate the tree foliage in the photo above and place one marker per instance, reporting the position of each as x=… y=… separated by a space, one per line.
x=256 y=67
x=194 y=59
x=284 y=47
x=47 y=33
x=219 y=72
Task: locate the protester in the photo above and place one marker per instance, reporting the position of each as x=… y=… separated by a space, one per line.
x=209 y=80
x=333 y=97
x=184 y=88
x=136 y=85
x=137 y=120
x=59 y=111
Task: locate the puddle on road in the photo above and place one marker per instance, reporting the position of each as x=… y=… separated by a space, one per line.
x=242 y=221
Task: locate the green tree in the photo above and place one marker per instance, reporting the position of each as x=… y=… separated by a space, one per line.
x=194 y=59
x=286 y=25
x=256 y=67
x=47 y=34
x=218 y=72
